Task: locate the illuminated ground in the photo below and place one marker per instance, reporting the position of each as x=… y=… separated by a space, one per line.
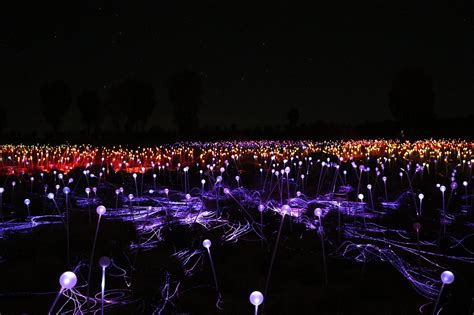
x=364 y=226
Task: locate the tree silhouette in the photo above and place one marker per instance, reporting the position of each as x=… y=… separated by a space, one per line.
x=411 y=98
x=185 y=94
x=56 y=98
x=131 y=100
x=90 y=108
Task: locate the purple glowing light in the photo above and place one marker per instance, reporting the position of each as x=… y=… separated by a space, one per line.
x=447 y=277
x=101 y=210
x=206 y=243
x=256 y=298
x=104 y=261
x=68 y=280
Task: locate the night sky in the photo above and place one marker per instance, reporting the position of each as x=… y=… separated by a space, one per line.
x=334 y=61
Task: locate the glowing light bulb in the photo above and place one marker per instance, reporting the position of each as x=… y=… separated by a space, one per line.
x=50 y=196
x=203 y=181
x=101 y=210
x=226 y=191
x=66 y=190
x=369 y=186
x=256 y=298
x=88 y=190
x=384 y=178
x=104 y=261
x=421 y=196
x=134 y=175
x=361 y=197
x=464 y=183
x=261 y=208
x=167 y=191
x=442 y=188
x=285 y=209
x=2 y=190
x=68 y=280
x=318 y=212
x=447 y=277
x=130 y=196
x=206 y=243
x=27 y=202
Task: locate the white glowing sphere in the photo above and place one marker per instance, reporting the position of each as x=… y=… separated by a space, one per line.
x=154 y=175
x=88 y=190
x=13 y=183
x=261 y=208
x=369 y=186
x=360 y=196
x=68 y=280
x=222 y=170
x=70 y=180
x=104 y=261
x=454 y=185
x=32 y=179
x=226 y=191
x=27 y=202
x=464 y=183
x=447 y=277
x=188 y=196
x=287 y=170
x=438 y=185
x=121 y=189
x=256 y=298
x=384 y=178
x=167 y=190
x=285 y=209
x=130 y=196
x=51 y=196
x=57 y=187
x=66 y=190
x=117 y=191
x=203 y=181
x=151 y=191
x=442 y=188
x=219 y=179
x=206 y=243
x=298 y=194
x=134 y=175
x=318 y=212
x=401 y=174
x=237 y=178
x=94 y=189
x=2 y=190
x=101 y=210
x=421 y=196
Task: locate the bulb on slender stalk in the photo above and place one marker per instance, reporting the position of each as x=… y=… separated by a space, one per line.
x=104 y=262
x=27 y=204
x=285 y=209
x=67 y=281
x=256 y=299
x=447 y=277
x=100 y=211
x=384 y=178
x=420 y=196
x=465 y=183
x=207 y=245
x=369 y=187
x=443 y=189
